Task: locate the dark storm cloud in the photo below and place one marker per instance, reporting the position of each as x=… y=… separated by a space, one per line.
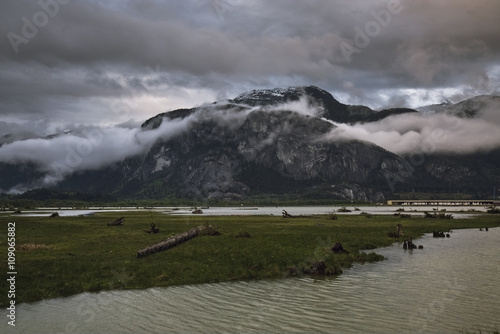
x=89 y=55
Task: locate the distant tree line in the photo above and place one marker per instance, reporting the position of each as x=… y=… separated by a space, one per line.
x=57 y=198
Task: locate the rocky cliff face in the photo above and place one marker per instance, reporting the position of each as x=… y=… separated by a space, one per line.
x=221 y=158
x=257 y=144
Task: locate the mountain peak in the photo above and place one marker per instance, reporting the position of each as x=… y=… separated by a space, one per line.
x=278 y=95
x=467 y=108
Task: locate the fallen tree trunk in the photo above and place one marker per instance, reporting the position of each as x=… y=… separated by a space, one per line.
x=117 y=222
x=171 y=242
x=285 y=214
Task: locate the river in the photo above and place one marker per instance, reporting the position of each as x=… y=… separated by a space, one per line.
x=450 y=286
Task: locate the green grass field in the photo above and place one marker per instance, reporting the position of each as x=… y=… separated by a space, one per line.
x=82 y=254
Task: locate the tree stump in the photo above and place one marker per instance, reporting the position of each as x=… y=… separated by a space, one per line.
x=338 y=249
x=153 y=229
x=399 y=230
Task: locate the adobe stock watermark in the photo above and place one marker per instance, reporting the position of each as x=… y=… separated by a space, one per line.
x=409 y=163
x=221 y=7
x=90 y=307
x=11 y=273
x=124 y=108
x=76 y=153
x=30 y=28
x=373 y=28
x=255 y=320
x=420 y=319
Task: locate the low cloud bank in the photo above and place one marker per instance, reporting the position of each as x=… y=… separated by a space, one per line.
x=91 y=148
x=428 y=133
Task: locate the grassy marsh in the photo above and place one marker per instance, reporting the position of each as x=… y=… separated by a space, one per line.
x=70 y=255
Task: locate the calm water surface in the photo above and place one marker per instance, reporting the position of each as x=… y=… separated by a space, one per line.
x=450 y=286
x=265 y=210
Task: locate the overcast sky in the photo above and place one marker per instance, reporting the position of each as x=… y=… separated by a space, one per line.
x=108 y=62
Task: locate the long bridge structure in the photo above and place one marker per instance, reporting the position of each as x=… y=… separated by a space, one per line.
x=443 y=202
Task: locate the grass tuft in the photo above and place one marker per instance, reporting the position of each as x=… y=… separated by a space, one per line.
x=31 y=246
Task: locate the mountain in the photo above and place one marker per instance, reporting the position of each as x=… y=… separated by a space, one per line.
x=330 y=108
x=468 y=108
x=273 y=141
x=265 y=149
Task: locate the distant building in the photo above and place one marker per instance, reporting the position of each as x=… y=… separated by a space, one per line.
x=442 y=202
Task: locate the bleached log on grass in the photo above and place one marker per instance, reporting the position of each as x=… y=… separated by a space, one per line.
x=171 y=242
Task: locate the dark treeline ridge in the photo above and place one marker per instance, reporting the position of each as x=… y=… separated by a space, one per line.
x=56 y=198
x=53 y=198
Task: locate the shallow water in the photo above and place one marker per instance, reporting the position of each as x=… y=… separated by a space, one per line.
x=322 y=210
x=265 y=210
x=450 y=286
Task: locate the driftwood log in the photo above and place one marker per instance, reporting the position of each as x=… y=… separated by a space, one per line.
x=285 y=214
x=439 y=215
x=172 y=241
x=117 y=222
